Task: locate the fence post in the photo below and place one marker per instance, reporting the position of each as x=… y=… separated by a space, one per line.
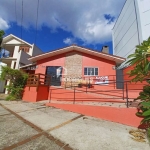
x=127 y=95
x=123 y=90
x=74 y=96
x=50 y=96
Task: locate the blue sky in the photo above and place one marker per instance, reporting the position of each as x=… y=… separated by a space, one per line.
x=61 y=22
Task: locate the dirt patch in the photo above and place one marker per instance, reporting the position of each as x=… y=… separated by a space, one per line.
x=3 y=96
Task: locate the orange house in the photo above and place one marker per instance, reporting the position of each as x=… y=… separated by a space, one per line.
x=75 y=65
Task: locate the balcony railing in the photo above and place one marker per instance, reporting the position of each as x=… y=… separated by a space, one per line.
x=38 y=80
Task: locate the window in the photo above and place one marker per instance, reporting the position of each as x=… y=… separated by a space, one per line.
x=90 y=71
x=25 y=49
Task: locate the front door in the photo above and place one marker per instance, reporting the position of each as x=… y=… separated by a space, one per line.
x=56 y=74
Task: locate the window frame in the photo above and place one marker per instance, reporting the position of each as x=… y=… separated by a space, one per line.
x=94 y=71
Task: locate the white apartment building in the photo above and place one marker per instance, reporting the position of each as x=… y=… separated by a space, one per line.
x=132 y=27
x=18 y=53
x=2 y=83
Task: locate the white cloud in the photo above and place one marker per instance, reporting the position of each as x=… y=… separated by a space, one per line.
x=3 y=24
x=83 y=18
x=68 y=41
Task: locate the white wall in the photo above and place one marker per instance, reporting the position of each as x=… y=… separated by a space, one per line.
x=2 y=83
x=143 y=8
x=30 y=51
x=16 y=51
x=132 y=27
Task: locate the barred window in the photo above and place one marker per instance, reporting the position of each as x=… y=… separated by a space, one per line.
x=90 y=71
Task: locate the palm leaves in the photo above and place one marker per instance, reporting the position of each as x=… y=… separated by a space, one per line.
x=140 y=61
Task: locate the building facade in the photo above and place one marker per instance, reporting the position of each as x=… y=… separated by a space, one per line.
x=16 y=53
x=74 y=64
x=132 y=27
x=2 y=83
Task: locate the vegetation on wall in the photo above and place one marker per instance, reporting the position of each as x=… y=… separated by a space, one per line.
x=2 y=33
x=141 y=72
x=17 y=80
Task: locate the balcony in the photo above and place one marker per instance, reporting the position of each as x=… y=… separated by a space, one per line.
x=6 y=57
x=12 y=53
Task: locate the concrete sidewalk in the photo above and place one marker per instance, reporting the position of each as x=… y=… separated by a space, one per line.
x=26 y=126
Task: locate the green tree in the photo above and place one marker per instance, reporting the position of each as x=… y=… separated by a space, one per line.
x=17 y=80
x=140 y=61
x=2 y=33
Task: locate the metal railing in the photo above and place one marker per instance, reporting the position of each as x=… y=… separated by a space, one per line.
x=111 y=93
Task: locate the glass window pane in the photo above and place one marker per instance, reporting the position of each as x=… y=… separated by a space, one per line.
x=85 y=71
x=96 y=71
x=91 y=71
x=88 y=71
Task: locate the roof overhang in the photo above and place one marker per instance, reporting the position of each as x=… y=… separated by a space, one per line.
x=29 y=65
x=11 y=36
x=116 y=59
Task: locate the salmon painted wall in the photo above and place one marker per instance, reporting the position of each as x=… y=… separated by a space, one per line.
x=58 y=60
x=104 y=66
x=83 y=94
x=132 y=85
x=32 y=94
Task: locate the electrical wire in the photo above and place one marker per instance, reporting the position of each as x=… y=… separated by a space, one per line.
x=36 y=21
x=16 y=14
x=22 y=20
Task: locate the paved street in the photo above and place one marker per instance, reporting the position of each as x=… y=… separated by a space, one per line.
x=26 y=126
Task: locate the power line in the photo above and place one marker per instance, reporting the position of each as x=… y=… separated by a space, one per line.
x=36 y=21
x=16 y=14
x=22 y=19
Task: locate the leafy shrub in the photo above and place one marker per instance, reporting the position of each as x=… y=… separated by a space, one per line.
x=10 y=97
x=17 y=80
x=141 y=72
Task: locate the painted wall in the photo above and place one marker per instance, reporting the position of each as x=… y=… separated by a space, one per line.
x=16 y=51
x=132 y=27
x=143 y=11
x=125 y=32
x=53 y=61
x=13 y=41
x=137 y=86
x=34 y=94
x=105 y=66
x=2 y=83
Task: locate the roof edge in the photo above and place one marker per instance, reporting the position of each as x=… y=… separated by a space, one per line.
x=11 y=35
